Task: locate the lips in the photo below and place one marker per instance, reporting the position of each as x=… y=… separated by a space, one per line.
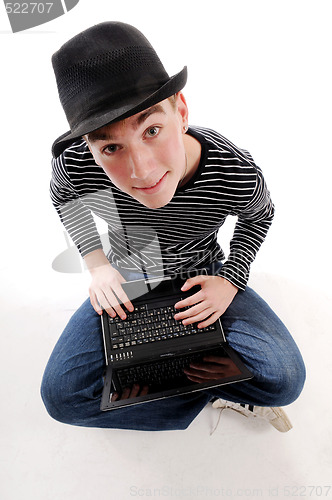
x=153 y=187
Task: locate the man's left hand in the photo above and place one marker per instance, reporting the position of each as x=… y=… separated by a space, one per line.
x=209 y=303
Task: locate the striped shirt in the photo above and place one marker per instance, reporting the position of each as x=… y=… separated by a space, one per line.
x=181 y=235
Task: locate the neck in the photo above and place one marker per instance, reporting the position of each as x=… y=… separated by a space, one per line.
x=185 y=171
x=193 y=151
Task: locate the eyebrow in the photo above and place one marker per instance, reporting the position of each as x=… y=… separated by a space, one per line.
x=103 y=135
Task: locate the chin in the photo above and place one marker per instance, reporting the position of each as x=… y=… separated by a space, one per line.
x=154 y=205
x=157 y=202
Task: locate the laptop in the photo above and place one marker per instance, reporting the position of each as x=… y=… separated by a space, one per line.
x=147 y=353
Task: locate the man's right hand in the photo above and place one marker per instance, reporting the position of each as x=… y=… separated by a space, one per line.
x=105 y=289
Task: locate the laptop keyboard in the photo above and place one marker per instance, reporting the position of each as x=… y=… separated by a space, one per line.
x=145 y=325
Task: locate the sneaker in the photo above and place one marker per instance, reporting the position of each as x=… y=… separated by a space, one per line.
x=275 y=416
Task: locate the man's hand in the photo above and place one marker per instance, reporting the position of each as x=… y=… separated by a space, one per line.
x=106 y=282
x=209 y=303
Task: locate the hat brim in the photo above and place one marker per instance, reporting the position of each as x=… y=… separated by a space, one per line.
x=172 y=86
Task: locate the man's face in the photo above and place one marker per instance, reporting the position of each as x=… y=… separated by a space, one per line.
x=144 y=155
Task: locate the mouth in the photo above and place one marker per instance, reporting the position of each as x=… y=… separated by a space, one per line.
x=154 y=187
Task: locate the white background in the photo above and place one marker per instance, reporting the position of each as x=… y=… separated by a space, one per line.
x=259 y=73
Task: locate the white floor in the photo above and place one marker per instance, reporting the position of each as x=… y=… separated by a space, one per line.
x=43 y=459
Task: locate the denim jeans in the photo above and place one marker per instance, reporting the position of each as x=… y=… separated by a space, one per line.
x=73 y=379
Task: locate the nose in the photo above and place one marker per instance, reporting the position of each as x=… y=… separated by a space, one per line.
x=140 y=163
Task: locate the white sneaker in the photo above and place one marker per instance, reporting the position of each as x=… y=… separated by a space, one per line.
x=275 y=416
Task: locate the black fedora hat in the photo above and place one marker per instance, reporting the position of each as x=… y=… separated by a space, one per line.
x=105 y=74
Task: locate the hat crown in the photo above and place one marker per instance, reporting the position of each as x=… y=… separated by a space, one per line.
x=109 y=59
x=98 y=39
x=109 y=66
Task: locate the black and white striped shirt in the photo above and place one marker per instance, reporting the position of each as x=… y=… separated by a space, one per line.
x=180 y=235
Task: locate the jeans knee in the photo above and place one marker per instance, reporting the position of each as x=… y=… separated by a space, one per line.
x=53 y=400
x=289 y=384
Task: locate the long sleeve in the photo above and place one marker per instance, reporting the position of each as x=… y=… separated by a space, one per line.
x=75 y=216
x=253 y=223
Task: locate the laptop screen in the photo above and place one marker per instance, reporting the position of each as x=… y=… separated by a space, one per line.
x=167 y=375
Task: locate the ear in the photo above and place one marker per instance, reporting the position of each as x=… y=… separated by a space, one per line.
x=182 y=109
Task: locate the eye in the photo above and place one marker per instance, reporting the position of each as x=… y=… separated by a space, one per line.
x=152 y=131
x=111 y=148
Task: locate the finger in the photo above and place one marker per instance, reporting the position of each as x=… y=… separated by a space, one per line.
x=122 y=296
x=190 y=282
x=109 y=301
x=210 y=320
x=106 y=303
x=190 y=301
x=95 y=304
x=110 y=312
x=198 y=317
x=118 y=309
x=195 y=309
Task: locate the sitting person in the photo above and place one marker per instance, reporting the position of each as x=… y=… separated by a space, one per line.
x=131 y=158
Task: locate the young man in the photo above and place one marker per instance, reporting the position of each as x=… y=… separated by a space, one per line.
x=131 y=159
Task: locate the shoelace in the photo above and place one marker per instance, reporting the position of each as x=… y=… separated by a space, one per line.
x=215 y=427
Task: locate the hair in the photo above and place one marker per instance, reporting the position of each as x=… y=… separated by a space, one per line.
x=172 y=100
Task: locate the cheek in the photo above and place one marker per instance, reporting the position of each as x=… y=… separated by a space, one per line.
x=172 y=151
x=116 y=175
x=113 y=172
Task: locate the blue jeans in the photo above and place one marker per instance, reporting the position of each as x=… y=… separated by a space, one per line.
x=73 y=379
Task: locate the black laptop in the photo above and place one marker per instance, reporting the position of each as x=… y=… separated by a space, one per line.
x=147 y=353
